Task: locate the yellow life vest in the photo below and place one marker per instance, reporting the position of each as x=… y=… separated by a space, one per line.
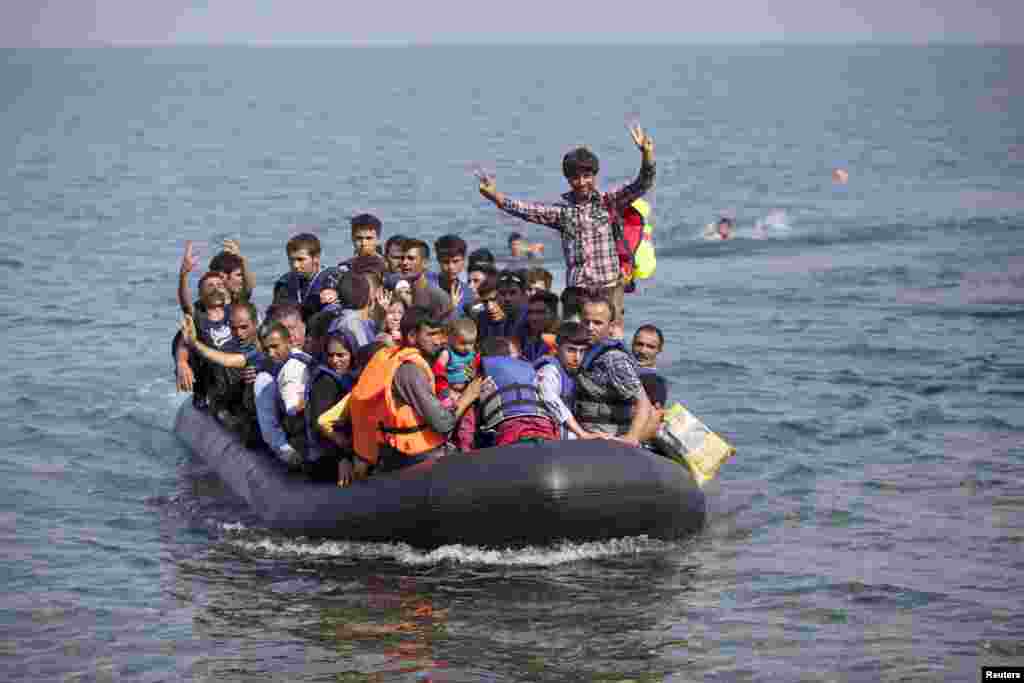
x=644 y=260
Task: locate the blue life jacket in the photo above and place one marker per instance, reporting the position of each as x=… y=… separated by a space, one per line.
x=345 y=383
x=567 y=390
x=516 y=394
x=340 y=325
x=597 y=403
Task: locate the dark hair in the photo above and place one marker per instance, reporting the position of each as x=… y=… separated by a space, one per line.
x=269 y=327
x=371 y=264
x=514 y=236
x=651 y=328
x=449 y=245
x=481 y=255
x=320 y=323
x=594 y=298
x=656 y=387
x=416 y=318
x=210 y=275
x=226 y=262
x=538 y=273
x=495 y=346
x=487 y=269
x=579 y=161
x=413 y=243
x=514 y=277
x=393 y=240
x=247 y=306
x=487 y=287
x=366 y=220
x=346 y=340
x=572 y=333
x=305 y=240
x=354 y=291
x=572 y=298
x=282 y=311
x=724 y=219
x=549 y=299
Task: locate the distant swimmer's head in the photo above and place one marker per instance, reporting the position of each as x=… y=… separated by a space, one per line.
x=580 y=167
x=724 y=227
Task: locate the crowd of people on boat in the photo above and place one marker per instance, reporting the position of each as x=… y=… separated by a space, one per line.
x=378 y=362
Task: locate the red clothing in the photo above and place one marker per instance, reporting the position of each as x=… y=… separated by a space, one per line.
x=526 y=427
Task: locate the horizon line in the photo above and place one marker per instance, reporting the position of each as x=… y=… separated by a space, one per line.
x=393 y=44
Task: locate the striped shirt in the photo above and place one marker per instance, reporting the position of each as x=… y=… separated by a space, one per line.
x=588 y=243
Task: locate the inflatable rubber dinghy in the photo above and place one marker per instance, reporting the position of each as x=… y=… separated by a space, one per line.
x=498 y=497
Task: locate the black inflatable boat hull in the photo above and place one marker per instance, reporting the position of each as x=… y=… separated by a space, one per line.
x=512 y=495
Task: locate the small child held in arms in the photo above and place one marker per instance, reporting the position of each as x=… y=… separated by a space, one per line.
x=459 y=358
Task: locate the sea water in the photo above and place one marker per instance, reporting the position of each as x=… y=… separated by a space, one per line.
x=862 y=350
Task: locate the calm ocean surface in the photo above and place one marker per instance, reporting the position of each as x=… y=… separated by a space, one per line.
x=866 y=358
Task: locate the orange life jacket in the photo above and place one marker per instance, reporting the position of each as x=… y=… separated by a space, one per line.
x=376 y=419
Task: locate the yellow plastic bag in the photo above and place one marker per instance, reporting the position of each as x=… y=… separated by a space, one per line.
x=338 y=413
x=687 y=440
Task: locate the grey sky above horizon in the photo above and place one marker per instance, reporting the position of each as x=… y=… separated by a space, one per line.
x=71 y=23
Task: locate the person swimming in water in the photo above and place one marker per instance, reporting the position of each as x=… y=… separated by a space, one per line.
x=724 y=229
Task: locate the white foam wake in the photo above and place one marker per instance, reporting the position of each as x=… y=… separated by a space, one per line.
x=535 y=556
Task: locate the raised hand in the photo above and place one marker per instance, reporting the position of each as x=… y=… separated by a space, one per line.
x=188 y=260
x=184 y=379
x=384 y=298
x=643 y=141
x=328 y=296
x=488 y=187
x=188 y=330
x=233 y=247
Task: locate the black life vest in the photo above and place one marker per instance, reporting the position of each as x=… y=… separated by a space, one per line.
x=344 y=382
x=597 y=403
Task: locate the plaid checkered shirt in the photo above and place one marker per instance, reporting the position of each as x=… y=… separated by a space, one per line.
x=586 y=229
